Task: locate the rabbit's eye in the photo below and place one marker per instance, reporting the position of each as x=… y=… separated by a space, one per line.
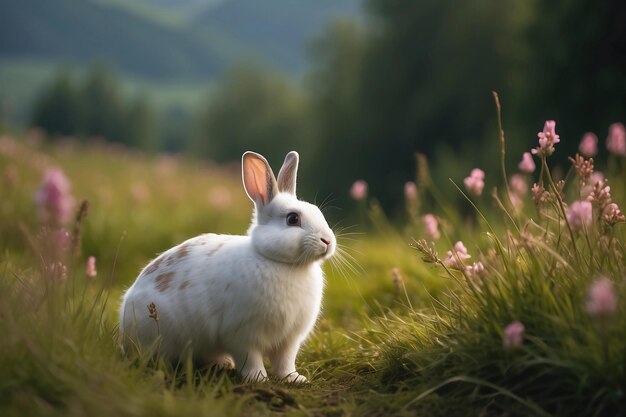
x=293 y=219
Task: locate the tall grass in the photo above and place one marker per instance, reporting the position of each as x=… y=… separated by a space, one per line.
x=540 y=266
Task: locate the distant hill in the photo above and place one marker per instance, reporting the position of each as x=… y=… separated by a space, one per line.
x=277 y=30
x=207 y=37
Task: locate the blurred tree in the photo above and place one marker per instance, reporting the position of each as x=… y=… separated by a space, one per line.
x=252 y=110
x=334 y=88
x=57 y=109
x=176 y=128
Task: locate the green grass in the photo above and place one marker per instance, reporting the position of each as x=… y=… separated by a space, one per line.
x=430 y=345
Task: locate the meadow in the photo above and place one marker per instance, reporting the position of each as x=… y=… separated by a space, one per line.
x=512 y=305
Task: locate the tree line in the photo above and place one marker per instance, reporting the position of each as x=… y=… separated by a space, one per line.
x=94 y=106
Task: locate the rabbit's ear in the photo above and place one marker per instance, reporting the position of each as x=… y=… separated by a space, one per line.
x=288 y=173
x=258 y=178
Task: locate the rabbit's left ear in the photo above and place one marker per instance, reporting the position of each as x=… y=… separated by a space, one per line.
x=258 y=178
x=288 y=173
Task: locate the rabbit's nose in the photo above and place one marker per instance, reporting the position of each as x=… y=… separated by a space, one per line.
x=326 y=242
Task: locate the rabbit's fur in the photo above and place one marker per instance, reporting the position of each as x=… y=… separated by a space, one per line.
x=239 y=297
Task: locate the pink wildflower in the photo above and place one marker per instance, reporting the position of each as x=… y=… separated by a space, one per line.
x=596 y=177
x=431 y=227
x=517 y=202
x=527 y=165
x=454 y=259
x=547 y=139
x=579 y=215
x=359 y=190
x=410 y=191
x=612 y=214
x=600 y=196
x=513 y=334
x=90 y=269
x=601 y=301
x=540 y=195
x=588 y=145
x=54 y=199
x=616 y=141
x=519 y=188
x=587 y=189
x=475 y=182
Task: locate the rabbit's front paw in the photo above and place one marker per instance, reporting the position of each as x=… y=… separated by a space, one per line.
x=296 y=378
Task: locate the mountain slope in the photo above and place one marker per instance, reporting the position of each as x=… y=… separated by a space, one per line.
x=81 y=31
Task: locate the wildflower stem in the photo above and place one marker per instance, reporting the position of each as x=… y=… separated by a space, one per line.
x=506 y=212
x=502 y=145
x=454 y=277
x=544 y=167
x=499 y=244
x=441 y=202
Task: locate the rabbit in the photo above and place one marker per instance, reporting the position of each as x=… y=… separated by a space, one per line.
x=238 y=298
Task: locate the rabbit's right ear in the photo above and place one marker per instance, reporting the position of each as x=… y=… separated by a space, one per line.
x=258 y=178
x=288 y=173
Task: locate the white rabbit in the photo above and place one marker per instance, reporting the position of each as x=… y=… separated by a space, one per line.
x=239 y=297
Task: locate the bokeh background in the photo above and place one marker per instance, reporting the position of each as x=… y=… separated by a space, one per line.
x=122 y=124
x=357 y=86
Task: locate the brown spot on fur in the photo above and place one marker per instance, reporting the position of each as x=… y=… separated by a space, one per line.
x=215 y=249
x=154 y=265
x=182 y=251
x=184 y=285
x=164 y=280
